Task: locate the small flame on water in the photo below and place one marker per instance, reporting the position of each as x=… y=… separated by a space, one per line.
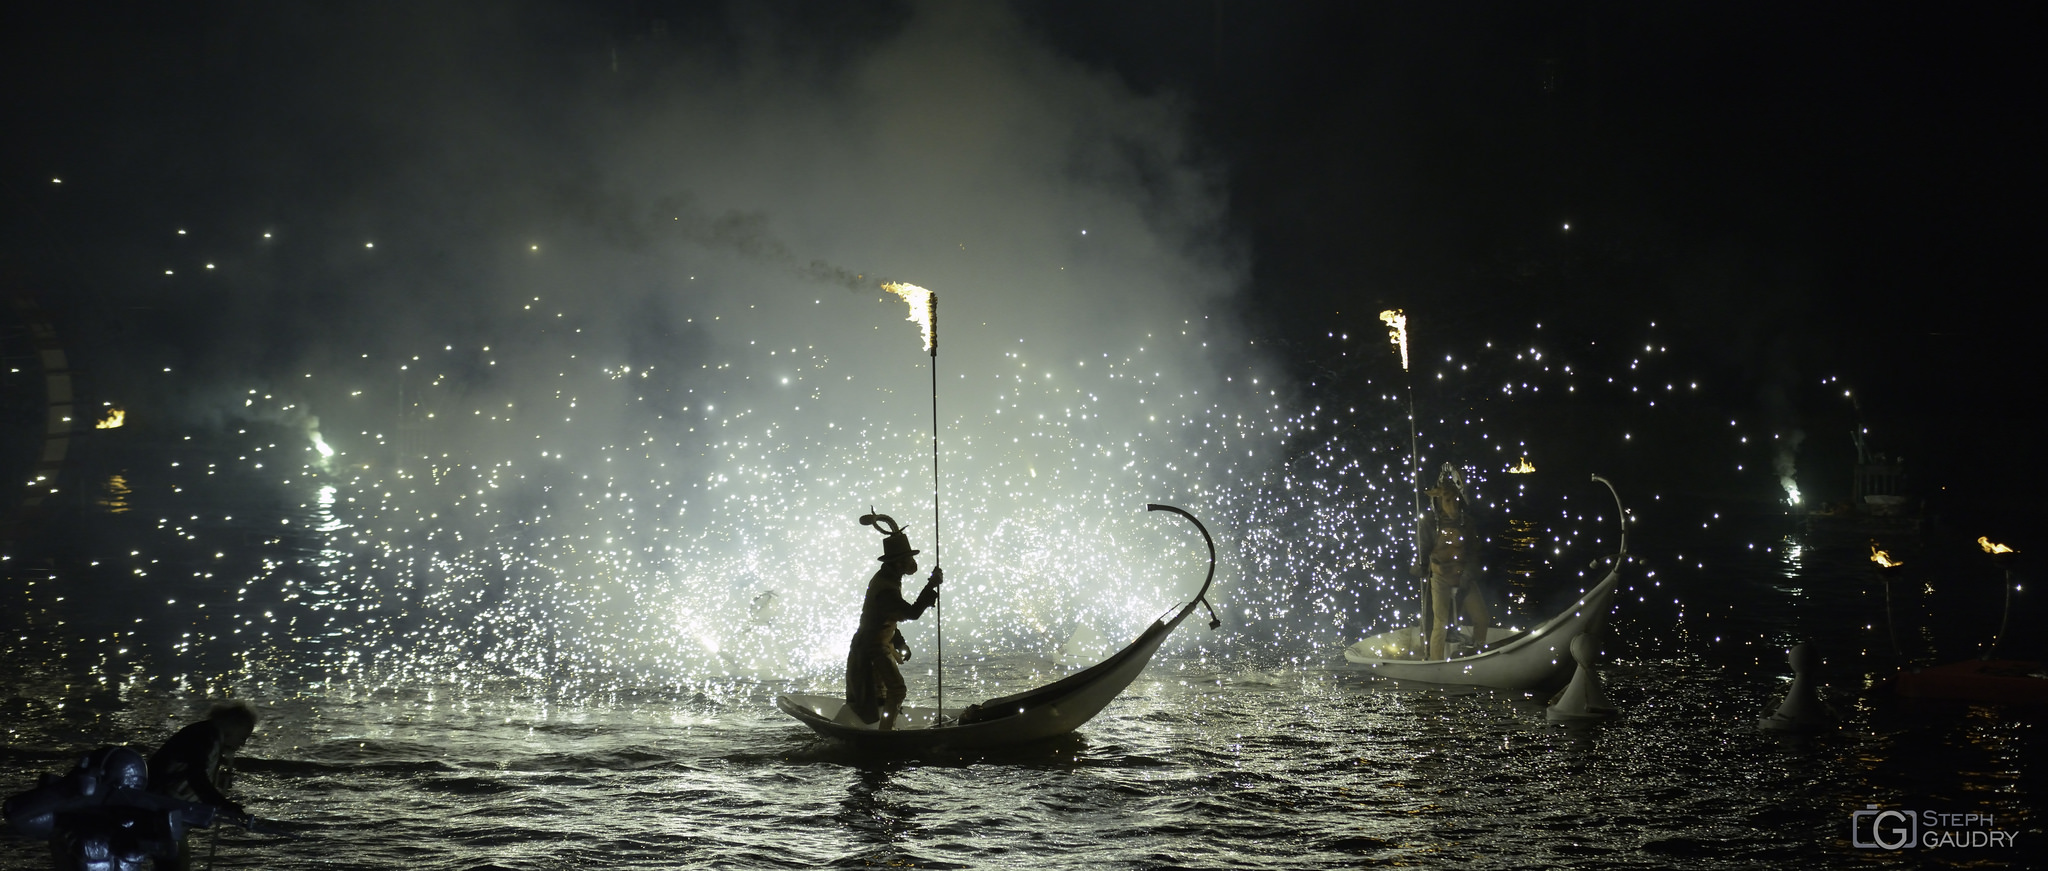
x=920 y=301
x=1989 y=546
x=1397 y=332
x=1883 y=559
x=115 y=417
x=1522 y=468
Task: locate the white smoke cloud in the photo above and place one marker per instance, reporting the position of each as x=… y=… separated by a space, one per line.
x=598 y=331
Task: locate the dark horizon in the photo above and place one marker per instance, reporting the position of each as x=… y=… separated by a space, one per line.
x=1789 y=196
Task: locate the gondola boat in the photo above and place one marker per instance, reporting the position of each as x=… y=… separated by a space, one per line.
x=1049 y=711
x=1518 y=659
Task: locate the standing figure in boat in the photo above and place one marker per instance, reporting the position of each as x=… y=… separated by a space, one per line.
x=874 y=686
x=1448 y=555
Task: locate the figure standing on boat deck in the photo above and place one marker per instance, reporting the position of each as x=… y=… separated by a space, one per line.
x=874 y=686
x=1449 y=557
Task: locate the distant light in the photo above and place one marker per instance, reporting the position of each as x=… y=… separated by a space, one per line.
x=56 y=181
x=369 y=244
x=1567 y=225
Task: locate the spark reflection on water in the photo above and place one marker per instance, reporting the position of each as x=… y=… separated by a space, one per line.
x=1252 y=762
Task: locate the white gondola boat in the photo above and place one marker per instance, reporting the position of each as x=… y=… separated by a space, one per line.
x=1536 y=658
x=1046 y=712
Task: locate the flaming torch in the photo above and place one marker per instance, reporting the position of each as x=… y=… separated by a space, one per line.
x=1887 y=568
x=924 y=311
x=1397 y=334
x=2003 y=556
x=1992 y=547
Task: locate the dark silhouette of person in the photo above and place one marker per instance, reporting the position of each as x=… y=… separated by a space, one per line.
x=194 y=765
x=874 y=685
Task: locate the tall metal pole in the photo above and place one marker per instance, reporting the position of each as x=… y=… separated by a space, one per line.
x=1425 y=608
x=1397 y=326
x=931 y=308
x=1414 y=453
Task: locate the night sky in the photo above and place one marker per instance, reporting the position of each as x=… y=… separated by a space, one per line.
x=1791 y=194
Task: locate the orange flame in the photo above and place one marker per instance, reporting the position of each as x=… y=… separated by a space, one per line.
x=1397 y=332
x=1522 y=468
x=1883 y=559
x=115 y=417
x=1989 y=546
x=921 y=310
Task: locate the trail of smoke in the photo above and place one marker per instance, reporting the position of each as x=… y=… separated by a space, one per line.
x=747 y=234
x=1787 y=465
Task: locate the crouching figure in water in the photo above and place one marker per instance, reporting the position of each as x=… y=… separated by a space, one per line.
x=195 y=764
x=101 y=816
x=114 y=811
x=874 y=685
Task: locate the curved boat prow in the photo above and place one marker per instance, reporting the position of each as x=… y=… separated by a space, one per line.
x=1202 y=595
x=1045 y=712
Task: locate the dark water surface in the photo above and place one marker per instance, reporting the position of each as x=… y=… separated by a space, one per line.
x=1229 y=752
x=1248 y=759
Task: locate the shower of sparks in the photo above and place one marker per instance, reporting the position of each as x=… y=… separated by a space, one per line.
x=600 y=518
x=920 y=301
x=1397 y=332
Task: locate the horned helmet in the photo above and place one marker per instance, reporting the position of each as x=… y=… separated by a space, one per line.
x=1450 y=487
x=894 y=543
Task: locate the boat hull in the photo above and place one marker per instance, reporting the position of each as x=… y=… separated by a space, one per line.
x=1978 y=680
x=1536 y=659
x=1044 y=713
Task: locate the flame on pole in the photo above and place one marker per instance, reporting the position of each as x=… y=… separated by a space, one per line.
x=924 y=311
x=2003 y=556
x=1883 y=559
x=1397 y=332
